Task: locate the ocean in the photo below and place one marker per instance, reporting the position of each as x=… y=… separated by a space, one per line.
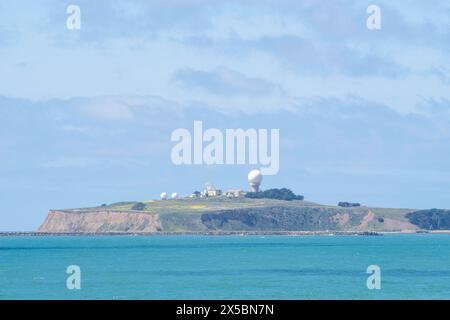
x=415 y=266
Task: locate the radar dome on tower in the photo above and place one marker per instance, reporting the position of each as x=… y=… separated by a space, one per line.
x=164 y=196
x=254 y=179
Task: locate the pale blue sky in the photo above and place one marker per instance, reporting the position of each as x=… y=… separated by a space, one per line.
x=87 y=114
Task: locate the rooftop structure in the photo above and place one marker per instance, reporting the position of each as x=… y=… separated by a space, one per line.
x=234 y=193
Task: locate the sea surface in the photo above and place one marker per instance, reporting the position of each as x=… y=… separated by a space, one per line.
x=226 y=267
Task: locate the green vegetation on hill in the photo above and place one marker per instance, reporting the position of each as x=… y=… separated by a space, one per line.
x=193 y=205
x=138 y=206
x=278 y=194
x=433 y=219
x=348 y=204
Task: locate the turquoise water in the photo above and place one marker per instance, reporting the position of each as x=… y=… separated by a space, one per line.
x=228 y=267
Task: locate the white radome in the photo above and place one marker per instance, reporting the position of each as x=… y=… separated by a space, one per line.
x=255 y=177
x=254 y=180
x=164 y=196
x=174 y=195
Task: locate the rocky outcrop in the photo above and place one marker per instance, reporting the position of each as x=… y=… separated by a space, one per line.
x=101 y=221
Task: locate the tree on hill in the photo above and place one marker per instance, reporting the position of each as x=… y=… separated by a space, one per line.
x=349 y=204
x=138 y=206
x=278 y=194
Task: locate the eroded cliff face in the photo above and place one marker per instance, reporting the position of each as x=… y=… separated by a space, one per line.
x=100 y=222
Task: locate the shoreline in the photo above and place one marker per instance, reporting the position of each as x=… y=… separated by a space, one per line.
x=216 y=233
x=186 y=233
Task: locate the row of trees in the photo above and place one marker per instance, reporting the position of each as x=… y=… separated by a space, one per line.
x=278 y=194
x=349 y=204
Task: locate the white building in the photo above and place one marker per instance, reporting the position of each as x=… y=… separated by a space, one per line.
x=211 y=191
x=234 y=193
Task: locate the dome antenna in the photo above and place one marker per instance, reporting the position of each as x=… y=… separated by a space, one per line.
x=254 y=179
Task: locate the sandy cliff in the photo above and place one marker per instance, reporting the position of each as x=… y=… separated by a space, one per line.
x=100 y=221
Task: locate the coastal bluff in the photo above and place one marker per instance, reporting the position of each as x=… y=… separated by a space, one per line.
x=99 y=221
x=223 y=215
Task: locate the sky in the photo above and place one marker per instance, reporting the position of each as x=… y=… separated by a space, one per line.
x=87 y=115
